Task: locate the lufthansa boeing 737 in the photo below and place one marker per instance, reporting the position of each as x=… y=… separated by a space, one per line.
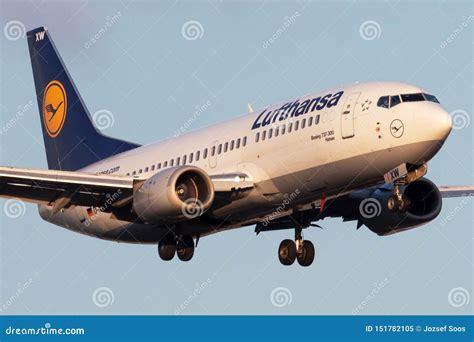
x=358 y=152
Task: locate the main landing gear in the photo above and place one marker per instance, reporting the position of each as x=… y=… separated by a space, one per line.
x=183 y=246
x=301 y=250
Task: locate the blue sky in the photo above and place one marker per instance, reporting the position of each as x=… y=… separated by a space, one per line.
x=151 y=66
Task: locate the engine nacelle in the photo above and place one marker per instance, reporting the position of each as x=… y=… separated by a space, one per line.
x=424 y=204
x=175 y=194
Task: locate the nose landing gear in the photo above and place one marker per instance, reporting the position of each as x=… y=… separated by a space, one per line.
x=299 y=249
x=397 y=202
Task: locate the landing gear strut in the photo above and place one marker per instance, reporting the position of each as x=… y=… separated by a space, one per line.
x=397 y=202
x=299 y=249
x=183 y=246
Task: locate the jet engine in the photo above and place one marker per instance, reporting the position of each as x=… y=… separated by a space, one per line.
x=174 y=194
x=422 y=204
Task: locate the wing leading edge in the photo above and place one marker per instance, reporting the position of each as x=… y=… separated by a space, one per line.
x=456 y=191
x=64 y=188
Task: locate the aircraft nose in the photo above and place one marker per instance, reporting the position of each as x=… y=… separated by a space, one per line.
x=440 y=124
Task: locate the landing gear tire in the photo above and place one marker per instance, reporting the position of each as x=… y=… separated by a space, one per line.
x=306 y=254
x=167 y=248
x=287 y=252
x=185 y=248
x=394 y=203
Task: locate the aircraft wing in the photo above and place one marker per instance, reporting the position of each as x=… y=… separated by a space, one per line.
x=64 y=188
x=456 y=191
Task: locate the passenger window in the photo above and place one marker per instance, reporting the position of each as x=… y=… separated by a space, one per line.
x=171 y=162
x=178 y=161
x=290 y=126
x=191 y=158
x=146 y=169
x=283 y=128
x=316 y=119
x=165 y=164
x=134 y=173
x=244 y=141
x=219 y=149
x=159 y=166
x=128 y=174
x=140 y=171
x=383 y=102
x=394 y=100
x=198 y=155
x=303 y=123
x=270 y=132
x=277 y=131
x=205 y=153
x=153 y=168
x=226 y=146
x=297 y=125
x=257 y=137
x=310 y=121
x=232 y=145
x=213 y=151
x=264 y=135
x=184 y=160
x=237 y=144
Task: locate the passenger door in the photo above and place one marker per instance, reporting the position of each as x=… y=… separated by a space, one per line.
x=347 y=116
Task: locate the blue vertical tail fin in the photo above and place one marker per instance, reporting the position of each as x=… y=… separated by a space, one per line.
x=70 y=138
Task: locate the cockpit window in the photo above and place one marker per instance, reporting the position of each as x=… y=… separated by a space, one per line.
x=391 y=101
x=383 y=102
x=412 y=97
x=430 y=98
x=394 y=100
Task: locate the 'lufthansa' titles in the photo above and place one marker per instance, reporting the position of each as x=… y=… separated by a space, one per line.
x=295 y=109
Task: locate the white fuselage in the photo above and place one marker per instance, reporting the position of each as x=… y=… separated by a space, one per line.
x=349 y=145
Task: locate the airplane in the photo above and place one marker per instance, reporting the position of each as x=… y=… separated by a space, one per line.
x=358 y=152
